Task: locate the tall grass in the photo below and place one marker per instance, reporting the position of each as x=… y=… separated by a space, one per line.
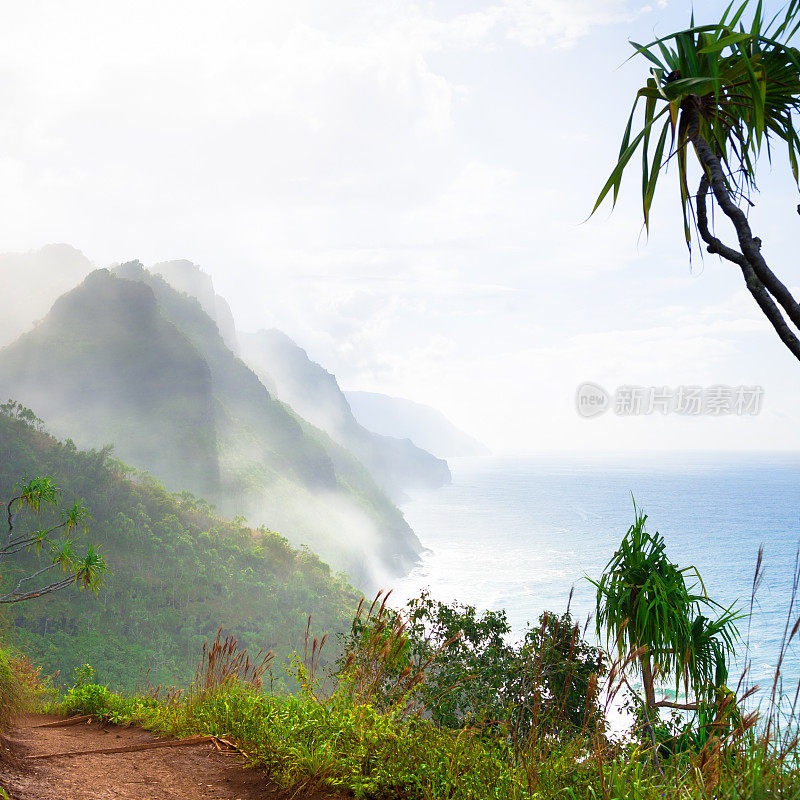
x=366 y=730
x=23 y=687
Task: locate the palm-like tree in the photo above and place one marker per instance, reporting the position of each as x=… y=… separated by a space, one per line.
x=730 y=92
x=41 y=496
x=647 y=608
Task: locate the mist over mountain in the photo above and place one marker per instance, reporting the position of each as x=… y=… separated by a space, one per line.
x=33 y=280
x=188 y=278
x=104 y=366
x=127 y=359
x=427 y=427
x=178 y=572
x=398 y=465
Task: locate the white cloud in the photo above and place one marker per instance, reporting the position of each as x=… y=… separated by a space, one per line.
x=535 y=23
x=398 y=185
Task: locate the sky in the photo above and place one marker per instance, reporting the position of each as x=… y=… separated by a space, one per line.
x=403 y=187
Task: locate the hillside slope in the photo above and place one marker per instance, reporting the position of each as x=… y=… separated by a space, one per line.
x=398 y=465
x=105 y=366
x=126 y=359
x=179 y=572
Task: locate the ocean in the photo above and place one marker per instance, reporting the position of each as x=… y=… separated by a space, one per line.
x=519 y=534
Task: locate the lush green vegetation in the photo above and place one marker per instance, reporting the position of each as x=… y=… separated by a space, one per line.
x=367 y=733
x=125 y=359
x=474 y=675
x=429 y=701
x=177 y=572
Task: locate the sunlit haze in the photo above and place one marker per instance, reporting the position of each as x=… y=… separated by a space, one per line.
x=403 y=188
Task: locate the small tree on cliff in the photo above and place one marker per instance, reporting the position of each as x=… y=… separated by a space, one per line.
x=725 y=92
x=657 y=621
x=41 y=498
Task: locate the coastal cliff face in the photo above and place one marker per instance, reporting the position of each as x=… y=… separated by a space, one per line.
x=126 y=359
x=398 y=465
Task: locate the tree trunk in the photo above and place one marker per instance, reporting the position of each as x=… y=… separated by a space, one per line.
x=647 y=682
x=767 y=290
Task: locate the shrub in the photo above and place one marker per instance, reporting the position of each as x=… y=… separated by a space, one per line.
x=459 y=668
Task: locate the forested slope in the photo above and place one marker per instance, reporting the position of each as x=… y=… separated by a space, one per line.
x=126 y=359
x=179 y=572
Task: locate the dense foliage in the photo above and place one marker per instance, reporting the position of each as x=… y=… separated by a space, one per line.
x=179 y=572
x=353 y=743
x=471 y=674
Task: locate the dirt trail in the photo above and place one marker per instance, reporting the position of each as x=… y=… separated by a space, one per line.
x=198 y=772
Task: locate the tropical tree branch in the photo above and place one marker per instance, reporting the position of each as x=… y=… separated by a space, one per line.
x=28 y=578
x=12 y=518
x=42 y=494
x=53 y=587
x=678 y=706
x=727 y=92
x=751 y=279
x=749 y=244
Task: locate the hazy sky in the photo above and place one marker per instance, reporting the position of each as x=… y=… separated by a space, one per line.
x=401 y=187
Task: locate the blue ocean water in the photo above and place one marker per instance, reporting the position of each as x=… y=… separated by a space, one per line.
x=518 y=534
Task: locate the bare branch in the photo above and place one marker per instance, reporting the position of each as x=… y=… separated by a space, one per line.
x=679 y=706
x=53 y=587
x=28 y=578
x=761 y=293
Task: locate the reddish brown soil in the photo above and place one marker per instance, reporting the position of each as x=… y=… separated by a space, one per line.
x=198 y=772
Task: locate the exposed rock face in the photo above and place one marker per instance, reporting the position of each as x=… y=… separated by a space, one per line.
x=188 y=278
x=224 y=319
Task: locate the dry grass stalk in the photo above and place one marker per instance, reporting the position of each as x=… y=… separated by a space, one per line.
x=223 y=662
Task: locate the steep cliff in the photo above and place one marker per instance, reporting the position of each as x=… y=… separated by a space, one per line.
x=398 y=465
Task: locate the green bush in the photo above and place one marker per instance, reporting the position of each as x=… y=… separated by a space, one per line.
x=466 y=673
x=10 y=694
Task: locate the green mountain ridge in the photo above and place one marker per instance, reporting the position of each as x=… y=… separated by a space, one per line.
x=105 y=366
x=126 y=359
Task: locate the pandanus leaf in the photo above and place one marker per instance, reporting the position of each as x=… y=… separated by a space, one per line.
x=743 y=84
